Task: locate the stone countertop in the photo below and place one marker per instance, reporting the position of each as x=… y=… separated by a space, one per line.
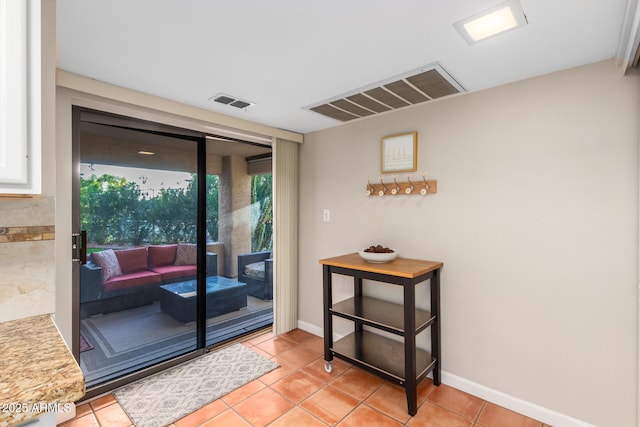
x=38 y=374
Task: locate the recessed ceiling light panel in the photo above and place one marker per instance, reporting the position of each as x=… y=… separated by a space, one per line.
x=493 y=21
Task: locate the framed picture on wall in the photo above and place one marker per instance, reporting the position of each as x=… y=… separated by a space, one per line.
x=400 y=153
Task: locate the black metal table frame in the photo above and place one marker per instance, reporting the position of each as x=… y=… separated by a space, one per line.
x=411 y=378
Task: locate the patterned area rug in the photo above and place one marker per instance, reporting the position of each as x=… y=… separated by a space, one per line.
x=170 y=395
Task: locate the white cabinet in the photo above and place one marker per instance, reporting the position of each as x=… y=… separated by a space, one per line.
x=20 y=103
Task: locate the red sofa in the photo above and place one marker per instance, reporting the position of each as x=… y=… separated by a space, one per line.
x=126 y=278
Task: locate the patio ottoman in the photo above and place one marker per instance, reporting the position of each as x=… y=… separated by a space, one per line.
x=223 y=296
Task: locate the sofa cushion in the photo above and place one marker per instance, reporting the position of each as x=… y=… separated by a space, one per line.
x=132 y=260
x=255 y=270
x=186 y=254
x=161 y=255
x=108 y=261
x=171 y=272
x=131 y=280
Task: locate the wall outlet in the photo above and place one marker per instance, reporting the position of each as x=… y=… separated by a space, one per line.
x=326 y=215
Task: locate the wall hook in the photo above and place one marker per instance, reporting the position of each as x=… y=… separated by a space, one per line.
x=384 y=188
x=396 y=189
x=369 y=188
x=425 y=190
x=409 y=189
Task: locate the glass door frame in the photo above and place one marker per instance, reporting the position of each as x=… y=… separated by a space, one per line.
x=162 y=130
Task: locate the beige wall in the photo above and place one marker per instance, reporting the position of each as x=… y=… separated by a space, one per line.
x=536 y=221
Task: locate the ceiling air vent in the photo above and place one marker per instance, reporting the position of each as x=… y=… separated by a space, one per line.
x=232 y=101
x=414 y=87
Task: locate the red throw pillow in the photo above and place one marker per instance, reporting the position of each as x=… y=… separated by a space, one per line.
x=160 y=255
x=132 y=260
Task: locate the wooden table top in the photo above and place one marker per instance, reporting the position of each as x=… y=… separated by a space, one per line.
x=401 y=267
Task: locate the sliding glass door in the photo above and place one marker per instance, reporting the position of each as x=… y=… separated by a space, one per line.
x=138 y=213
x=166 y=218
x=243 y=298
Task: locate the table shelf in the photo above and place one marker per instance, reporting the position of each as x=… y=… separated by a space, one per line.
x=381 y=354
x=380 y=314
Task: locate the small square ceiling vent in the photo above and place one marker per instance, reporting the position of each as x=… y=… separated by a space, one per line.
x=414 y=87
x=231 y=101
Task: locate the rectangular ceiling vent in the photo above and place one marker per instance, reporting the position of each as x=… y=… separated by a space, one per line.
x=414 y=87
x=232 y=101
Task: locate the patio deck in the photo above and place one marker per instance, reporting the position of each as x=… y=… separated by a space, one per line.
x=129 y=340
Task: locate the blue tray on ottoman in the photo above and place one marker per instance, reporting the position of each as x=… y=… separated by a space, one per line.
x=224 y=295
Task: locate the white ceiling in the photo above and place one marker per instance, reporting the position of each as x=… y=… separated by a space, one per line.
x=288 y=54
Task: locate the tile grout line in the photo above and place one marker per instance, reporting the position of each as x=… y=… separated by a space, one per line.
x=475 y=421
x=297 y=405
x=268 y=386
x=326 y=384
x=228 y=407
x=362 y=402
x=232 y=408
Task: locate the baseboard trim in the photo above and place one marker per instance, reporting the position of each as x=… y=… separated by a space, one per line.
x=312 y=329
x=523 y=407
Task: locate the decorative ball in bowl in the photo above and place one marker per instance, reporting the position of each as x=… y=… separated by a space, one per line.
x=378 y=254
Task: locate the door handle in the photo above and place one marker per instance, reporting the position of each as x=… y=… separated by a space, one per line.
x=83 y=249
x=79 y=247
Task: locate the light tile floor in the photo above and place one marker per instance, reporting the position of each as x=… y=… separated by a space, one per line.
x=301 y=393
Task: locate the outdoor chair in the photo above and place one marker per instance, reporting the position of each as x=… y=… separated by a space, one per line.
x=256 y=270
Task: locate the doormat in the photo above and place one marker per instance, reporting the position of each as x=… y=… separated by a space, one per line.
x=163 y=398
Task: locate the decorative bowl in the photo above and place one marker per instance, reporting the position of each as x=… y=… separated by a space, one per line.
x=378 y=258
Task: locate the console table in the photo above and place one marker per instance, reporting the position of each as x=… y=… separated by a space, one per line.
x=399 y=362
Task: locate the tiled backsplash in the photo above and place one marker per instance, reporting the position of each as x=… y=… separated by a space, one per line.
x=27 y=233
x=27 y=257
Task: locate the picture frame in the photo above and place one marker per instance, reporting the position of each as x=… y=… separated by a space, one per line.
x=400 y=153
